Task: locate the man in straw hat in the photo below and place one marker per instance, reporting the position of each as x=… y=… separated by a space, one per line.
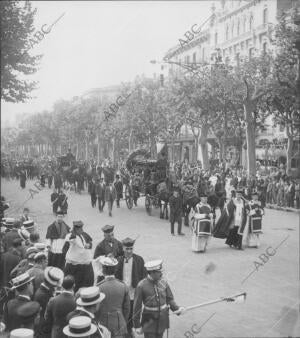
x=152 y=299
x=24 y=291
x=60 y=306
x=88 y=304
x=29 y=226
x=79 y=256
x=131 y=271
x=37 y=271
x=115 y=308
x=26 y=263
x=53 y=278
x=22 y=333
x=80 y=326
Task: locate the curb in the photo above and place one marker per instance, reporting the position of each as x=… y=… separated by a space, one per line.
x=269 y=206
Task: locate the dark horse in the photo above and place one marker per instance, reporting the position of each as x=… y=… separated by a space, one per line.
x=164 y=192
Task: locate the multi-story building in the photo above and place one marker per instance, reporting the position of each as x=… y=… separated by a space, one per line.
x=235 y=29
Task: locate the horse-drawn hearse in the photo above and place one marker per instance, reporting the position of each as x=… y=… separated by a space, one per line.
x=145 y=177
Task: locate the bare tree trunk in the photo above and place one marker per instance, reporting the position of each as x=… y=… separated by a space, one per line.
x=250 y=137
x=173 y=149
x=289 y=151
x=130 y=145
x=86 y=149
x=98 y=148
x=153 y=148
x=203 y=147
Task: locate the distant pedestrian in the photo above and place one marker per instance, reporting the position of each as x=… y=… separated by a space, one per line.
x=23 y=178
x=100 y=193
x=119 y=190
x=175 y=203
x=92 y=191
x=110 y=196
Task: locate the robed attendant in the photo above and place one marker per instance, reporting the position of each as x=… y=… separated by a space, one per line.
x=232 y=222
x=255 y=214
x=202 y=225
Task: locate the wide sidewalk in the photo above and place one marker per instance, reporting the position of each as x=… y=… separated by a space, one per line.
x=272 y=304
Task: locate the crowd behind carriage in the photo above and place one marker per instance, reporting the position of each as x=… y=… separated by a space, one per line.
x=38 y=276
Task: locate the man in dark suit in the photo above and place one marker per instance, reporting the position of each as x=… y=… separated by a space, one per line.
x=109 y=245
x=9 y=260
x=92 y=191
x=110 y=196
x=52 y=278
x=131 y=271
x=115 y=307
x=59 y=307
x=119 y=190
x=54 y=201
x=24 y=290
x=100 y=193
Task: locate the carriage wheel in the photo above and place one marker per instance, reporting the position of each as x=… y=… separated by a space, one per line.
x=148 y=204
x=128 y=197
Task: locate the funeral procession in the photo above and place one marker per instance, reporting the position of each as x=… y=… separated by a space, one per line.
x=150 y=169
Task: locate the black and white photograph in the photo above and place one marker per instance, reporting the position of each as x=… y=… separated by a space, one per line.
x=150 y=169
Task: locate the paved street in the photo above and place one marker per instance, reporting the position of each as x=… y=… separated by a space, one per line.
x=272 y=305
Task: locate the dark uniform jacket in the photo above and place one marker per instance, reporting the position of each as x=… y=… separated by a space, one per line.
x=105 y=247
x=119 y=189
x=115 y=308
x=157 y=296
x=175 y=208
x=42 y=296
x=100 y=190
x=56 y=313
x=11 y=318
x=138 y=269
x=110 y=193
x=9 y=260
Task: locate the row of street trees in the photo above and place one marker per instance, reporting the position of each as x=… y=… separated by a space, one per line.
x=230 y=101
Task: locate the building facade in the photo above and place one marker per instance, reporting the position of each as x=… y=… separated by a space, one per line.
x=236 y=29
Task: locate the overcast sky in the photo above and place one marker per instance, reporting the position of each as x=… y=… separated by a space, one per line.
x=102 y=43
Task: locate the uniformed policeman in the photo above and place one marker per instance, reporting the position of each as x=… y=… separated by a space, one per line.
x=153 y=297
x=115 y=308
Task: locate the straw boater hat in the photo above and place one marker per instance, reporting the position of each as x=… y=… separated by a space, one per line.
x=31 y=252
x=28 y=225
x=40 y=254
x=108 y=261
x=24 y=234
x=80 y=326
x=21 y=333
x=9 y=220
x=54 y=276
x=40 y=246
x=20 y=280
x=90 y=296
